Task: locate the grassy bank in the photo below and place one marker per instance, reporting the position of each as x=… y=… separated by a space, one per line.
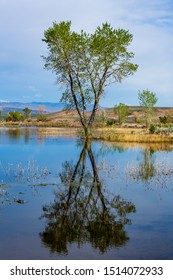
x=113 y=134
x=130 y=135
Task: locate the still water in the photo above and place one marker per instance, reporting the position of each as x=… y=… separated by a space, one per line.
x=61 y=198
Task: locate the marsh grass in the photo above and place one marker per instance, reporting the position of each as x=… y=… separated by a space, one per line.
x=133 y=133
x=130 y=135
x=159 y=175
x=29 y=174
x=19 y=173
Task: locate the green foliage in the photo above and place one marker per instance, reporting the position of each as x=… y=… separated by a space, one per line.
x=163 y=120
x=122 y=112
x=26 y=113
x=147 y=100
x=152 y=128
x=42 y=118
x=110 y=122
x=86 y=63
x=14 y=116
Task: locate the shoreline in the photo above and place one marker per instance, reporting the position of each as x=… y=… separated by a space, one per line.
x=131 y=135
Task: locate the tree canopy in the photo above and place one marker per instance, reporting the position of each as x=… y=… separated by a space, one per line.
x=85 y=64
x=122 y=112
x=147 y=100
x=27 y=112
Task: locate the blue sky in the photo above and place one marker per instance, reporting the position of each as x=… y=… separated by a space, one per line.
x=22 y=25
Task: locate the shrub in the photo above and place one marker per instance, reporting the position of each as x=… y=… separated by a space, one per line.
x=163 y=119
x=152 y=128
x=42 y=118
x=14 y=116
x=164 y=130
x=110 y=122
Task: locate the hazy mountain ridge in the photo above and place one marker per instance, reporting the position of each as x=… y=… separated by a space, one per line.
x=47 y=107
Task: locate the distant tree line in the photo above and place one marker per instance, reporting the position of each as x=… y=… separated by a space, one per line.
x=146 y=113
x=15 y=116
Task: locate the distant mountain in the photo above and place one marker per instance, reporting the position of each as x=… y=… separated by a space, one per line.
x=47 y=107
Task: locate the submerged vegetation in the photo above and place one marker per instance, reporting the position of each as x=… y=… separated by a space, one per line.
x=146 y=169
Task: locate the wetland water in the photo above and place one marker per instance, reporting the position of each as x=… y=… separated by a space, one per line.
x=64 y=199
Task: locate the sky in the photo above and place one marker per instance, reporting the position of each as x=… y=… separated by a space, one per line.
x=22 y=24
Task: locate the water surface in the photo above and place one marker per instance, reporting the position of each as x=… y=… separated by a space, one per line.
x=61 y=198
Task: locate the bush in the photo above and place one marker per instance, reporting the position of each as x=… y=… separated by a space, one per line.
x=14 y=117
x=110 y=122
x=152 y=128
x=163 y=119
x=42 y=118
x=164 y=130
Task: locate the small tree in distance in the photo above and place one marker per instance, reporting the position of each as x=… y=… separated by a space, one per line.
x=26 y=112
x=147 y=101
x=86 y=63
x=122 y=112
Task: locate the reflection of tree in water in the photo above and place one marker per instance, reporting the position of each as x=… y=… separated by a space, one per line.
x=83 y=211
x=145 y=170
x=151 y=170
x=147 y=167
x=16 y=133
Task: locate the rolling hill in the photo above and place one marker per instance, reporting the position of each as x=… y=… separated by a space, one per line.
x=47 y=107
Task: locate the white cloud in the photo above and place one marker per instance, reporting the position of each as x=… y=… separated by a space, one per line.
x=4 y=100
x=25 y=97
x=38 y=95
x=32 y=88
x=22 y=24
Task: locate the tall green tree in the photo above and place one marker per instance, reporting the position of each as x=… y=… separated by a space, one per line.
x=147 y=101
x=85 y=64
x=122 y=112
x=26 y=112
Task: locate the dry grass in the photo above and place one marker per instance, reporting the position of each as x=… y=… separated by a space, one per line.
x=130 y=135
x=51 y=131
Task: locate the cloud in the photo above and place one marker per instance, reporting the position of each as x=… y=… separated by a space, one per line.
x=38 y=95
x=4 y=100
x=32 y=88
x=22 y=25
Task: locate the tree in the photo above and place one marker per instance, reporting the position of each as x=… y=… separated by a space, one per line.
x=1 y=112
x=41 y=110
x=84 y=211
x=27 y=112
x=147 y=100
x=136 y=115
x=41 y=114
x=122 y=112
x=14 y=116
x=86 y=63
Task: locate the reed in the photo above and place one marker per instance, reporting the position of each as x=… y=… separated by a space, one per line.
x=129 y=135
